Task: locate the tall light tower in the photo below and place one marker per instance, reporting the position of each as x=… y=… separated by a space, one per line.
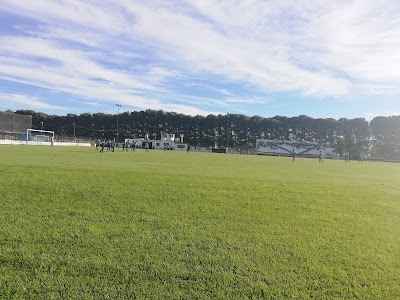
x=15 y=136
x=118 y=106
x=227 y=134
x=74 y=132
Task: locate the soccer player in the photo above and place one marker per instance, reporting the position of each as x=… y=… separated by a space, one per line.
x=293 y=156
x=361 y=158
x=188 y=149
x=320 y=157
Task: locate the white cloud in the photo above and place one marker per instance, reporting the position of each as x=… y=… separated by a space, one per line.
x=263 y=64
x=87 y=14
x=24 y=102
x=370 y=115
x=86 y=38
x=73 y=63
x=247 y=100
x=140 y=53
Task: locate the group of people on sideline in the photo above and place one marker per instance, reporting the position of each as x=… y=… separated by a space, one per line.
x=126 y=146
x=361 y=158
x=111 y=145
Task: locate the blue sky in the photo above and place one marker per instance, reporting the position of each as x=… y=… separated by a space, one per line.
x=253 y=57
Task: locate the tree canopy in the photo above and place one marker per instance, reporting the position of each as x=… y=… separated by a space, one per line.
x=381 y=136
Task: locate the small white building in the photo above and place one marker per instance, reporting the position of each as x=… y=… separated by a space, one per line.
x=167 y=142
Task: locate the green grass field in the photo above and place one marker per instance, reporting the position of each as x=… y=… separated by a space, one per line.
x=78 y=224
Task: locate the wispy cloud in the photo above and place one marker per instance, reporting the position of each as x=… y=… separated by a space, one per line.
x=145 y=54
x=370 y=115
x=22 y=101
x=247 y=100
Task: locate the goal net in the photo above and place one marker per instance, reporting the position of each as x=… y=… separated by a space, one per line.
x=39 y=137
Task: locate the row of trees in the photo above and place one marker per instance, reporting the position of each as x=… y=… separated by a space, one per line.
x=381 y=137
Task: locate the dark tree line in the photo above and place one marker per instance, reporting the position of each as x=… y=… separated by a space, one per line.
x=380 y=137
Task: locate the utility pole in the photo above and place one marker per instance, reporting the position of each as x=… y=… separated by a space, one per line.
x=118 y=106
x=74 y=132
x=15 y=137
x=227 y=132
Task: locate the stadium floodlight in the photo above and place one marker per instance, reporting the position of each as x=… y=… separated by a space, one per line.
x=227 y=133
x=74 y=132
x=118 y=106
x=14 y=127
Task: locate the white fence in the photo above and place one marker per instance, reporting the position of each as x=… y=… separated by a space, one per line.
x=37 y=143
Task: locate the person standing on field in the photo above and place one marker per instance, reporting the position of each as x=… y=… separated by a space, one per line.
x=293 y=156
x=320 y=157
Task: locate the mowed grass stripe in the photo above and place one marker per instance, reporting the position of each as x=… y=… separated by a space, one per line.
x=81 y=224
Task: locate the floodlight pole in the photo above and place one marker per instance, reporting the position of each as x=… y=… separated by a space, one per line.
x=74 y=132
x=227 y=132
x=15 y=136
x=118 y=106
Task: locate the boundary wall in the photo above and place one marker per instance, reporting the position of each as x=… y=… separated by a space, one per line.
x=34 y=143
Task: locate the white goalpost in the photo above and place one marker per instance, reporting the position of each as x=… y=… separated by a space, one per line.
x=39 y=137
